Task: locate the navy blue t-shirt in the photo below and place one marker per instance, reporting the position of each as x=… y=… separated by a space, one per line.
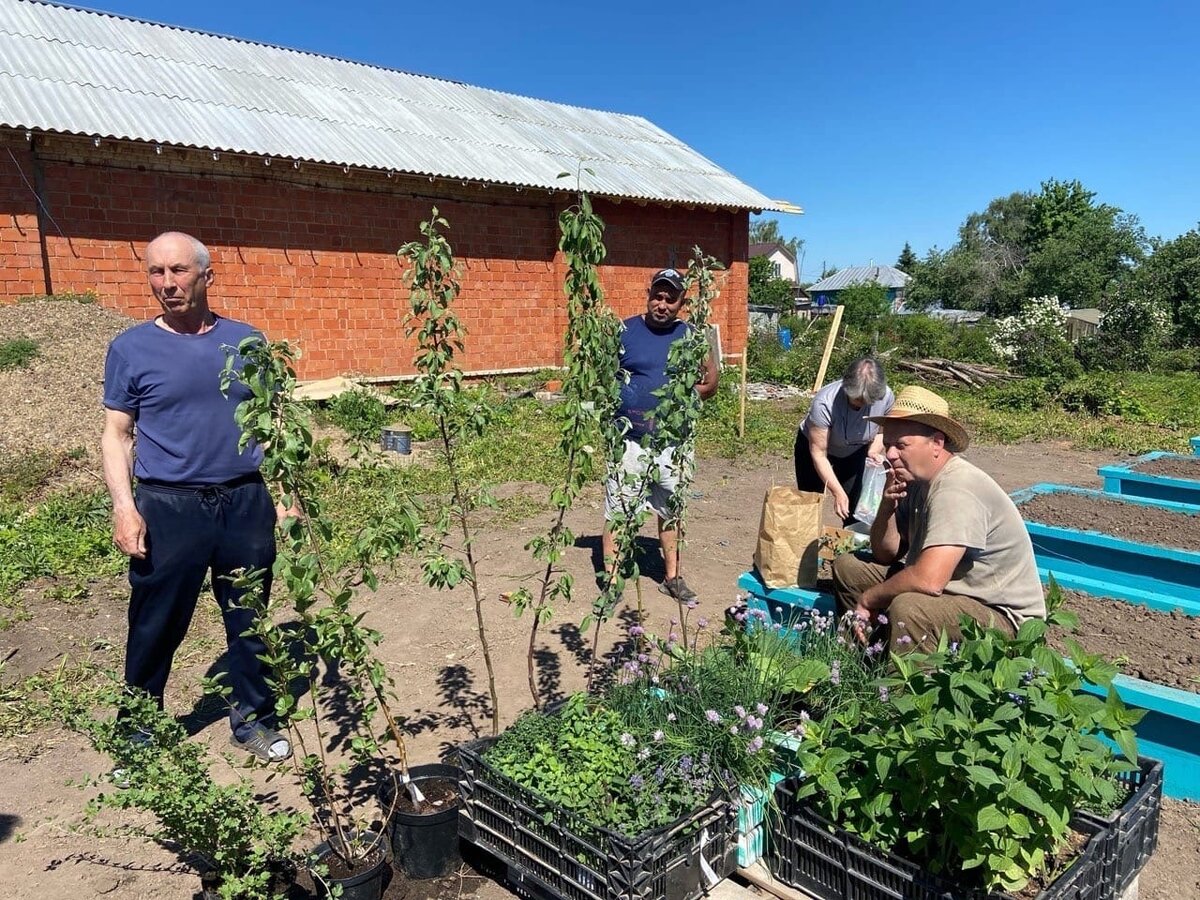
x=644 y=358
x=171 y=384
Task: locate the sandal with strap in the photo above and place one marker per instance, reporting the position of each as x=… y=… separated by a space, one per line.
x=263 y=743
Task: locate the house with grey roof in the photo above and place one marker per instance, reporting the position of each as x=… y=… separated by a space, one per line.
x=825 y=292
x=304 y=173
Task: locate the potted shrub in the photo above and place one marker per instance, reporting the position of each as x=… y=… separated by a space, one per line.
x=316 y=618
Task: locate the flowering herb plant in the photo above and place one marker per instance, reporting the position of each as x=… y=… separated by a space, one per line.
x=978 y=758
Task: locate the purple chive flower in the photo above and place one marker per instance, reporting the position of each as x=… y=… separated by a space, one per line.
x=741 y=711
x=636 y=630
x=804 y=716
x=702 y=622
x=712 y=715
x=674 y=621
x=672 y=638
x=670 y=717
x=642 y=657
x=644 y=753
x=658 y=735
x=899 y=624
x=659 y=774
x=627 y=740
x=636 y=782
x=755 y=745
x=762 y=708
x=835 y=672
x=884 y=694
x=882 y=618
x=733 y=729
x=954 y=647
x=740 y=616
x=904 y=639
x=692 y=604
x=685 y=764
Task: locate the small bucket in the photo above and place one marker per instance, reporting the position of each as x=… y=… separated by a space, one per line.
x=785 y=338
x=398 y=439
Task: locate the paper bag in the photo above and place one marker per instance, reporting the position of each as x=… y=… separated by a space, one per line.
x=788 y=538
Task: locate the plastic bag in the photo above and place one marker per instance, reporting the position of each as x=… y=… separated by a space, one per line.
x=874 y=477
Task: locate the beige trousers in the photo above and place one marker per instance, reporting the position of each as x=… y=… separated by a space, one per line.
x=915 y=620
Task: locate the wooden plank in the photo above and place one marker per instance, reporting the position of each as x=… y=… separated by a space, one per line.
x=829 y=342
x=758 y=876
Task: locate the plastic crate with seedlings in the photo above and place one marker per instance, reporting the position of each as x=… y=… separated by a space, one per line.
x=551 y=852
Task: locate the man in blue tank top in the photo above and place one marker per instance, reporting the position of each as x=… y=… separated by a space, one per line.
x=645 y=342
x=201 y=506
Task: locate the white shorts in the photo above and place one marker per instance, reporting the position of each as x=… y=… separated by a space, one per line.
x=621 y=486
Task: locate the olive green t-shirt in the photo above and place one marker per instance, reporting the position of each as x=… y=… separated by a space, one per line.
x=963 y=507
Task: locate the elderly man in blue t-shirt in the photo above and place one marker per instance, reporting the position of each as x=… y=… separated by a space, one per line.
x=201 y=505
x=645 y=343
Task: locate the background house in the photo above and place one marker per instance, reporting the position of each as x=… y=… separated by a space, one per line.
x=825 y=291
x=782 y=258
x=304 y=174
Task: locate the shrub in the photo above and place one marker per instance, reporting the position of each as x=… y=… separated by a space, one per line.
x=361 y=414
x=866 y=304
x=17 y=353
x=1099 y=395
x=1035 y=339
x=918 y=335
x=983 y=754
x=1025 y=395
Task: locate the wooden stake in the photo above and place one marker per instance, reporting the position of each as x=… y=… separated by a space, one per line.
x=742 y=396
x=829 y=341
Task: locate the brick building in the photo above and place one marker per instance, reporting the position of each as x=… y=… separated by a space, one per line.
x=304 y=174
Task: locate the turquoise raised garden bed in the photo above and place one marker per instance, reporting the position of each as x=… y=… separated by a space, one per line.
x=1170 y=731
x=1196 y=445
x=1124 y=479
x=1162 y=578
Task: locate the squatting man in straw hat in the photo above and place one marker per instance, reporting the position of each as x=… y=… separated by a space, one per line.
x=946 y=542
x=200 y=507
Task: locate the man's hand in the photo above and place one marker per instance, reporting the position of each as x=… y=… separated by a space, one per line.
x=129 y=533
x=287 y=512
x=895 y=488
x=861 y=623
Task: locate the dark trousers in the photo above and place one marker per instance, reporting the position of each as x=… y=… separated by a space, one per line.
x=192 y=531
x=847 y=469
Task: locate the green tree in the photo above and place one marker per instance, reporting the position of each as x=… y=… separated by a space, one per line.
x=766 y=231
x=866 y=304
x=907 y=261
x=1170 y=279
x=766 y=289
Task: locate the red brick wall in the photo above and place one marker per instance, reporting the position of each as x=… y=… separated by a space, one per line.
x=309 y=254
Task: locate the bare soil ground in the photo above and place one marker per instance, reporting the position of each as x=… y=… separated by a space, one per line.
x=429 y=645
x=1155 y=646
x=1172 y=467
x=1132 y=521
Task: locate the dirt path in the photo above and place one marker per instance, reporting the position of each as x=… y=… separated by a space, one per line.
x=431 y=649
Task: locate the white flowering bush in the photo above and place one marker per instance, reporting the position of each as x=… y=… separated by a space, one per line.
x=1035 y=340
x=1133 y=327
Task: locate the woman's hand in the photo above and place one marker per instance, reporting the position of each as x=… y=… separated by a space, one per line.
x=841 y=501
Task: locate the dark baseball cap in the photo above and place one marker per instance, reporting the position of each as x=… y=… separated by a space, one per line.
x=671 y=277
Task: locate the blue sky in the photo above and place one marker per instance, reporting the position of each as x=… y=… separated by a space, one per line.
x=886 y=121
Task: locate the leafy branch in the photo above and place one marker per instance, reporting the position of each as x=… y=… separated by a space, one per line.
x=432 y=277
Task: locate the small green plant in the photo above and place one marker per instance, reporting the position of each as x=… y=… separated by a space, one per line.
x=361 y=414
x=979 y=756
x=316 y=617
x=64 y=297
x=432 y=277
x=18 y=353
x=222 y=828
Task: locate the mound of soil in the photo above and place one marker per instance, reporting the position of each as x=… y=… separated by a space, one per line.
x=1131 y=521
x=1154 y=646
x=53 y=404
x=1172 y=467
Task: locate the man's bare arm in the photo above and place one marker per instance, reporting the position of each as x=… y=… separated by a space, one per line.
x=116 y=453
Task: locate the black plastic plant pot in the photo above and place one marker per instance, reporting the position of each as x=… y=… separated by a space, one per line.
x=366 y=882
x=283 y=876
x=426 y=844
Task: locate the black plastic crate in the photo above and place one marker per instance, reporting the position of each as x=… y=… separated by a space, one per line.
x=559 y=857
x=808 y=852
x=1133 y=828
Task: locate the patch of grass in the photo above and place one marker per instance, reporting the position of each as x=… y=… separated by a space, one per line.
x=67 y=537
x=18 y=353
x=23 y=475
x=24 y=702
x=65 y=297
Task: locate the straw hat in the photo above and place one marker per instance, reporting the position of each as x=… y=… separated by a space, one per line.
x=916 y=404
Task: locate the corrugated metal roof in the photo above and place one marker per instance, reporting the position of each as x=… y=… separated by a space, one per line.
x=65 y=69
x=886 y=275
